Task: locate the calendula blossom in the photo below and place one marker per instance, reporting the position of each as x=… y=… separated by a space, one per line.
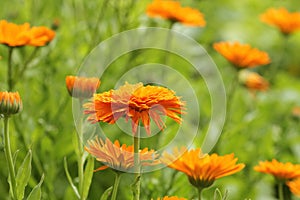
x=173 y=11
x=119 y=157
x=10 y=103
x=242 y=55
x=137 y=103
x=171 y=198
x=294 y=186
x=287 y=22
x=281 y=171
x=82 y=87
x=253 y=81
x=202 y=169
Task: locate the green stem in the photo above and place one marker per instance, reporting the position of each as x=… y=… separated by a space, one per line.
x=136 y=186
x=116 y=185
x=199 y=193
x=80 y=158
x=9 y=157
x=9 y=69
x=280 y=191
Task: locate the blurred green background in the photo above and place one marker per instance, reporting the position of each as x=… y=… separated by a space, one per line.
x=259 y=128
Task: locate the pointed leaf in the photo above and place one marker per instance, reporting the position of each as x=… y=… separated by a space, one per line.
x=106 y=193
x=88 y=175
x=74 y=188
x=23 y=175
x=36 y=192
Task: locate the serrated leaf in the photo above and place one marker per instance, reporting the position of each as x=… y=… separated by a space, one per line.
x=74 y=188
x=88 y=175
x=23 y=175
x=106 y=193
x=36 y=192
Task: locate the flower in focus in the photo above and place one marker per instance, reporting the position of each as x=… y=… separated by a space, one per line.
x=82 y=87
x=40 y=36
x=253 y=81
x=171 y=198
x=286 y=21
x=242 y=55
x=173 y=11
x=14 y=35
x=136 y=102
x=10 y=103
x=294 y=186
x=119 y=157
x=202 y=169
x=281 y=171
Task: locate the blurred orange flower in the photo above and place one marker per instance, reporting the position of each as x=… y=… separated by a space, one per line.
x=294 y=186
x=171 y=198
x=242 y=55
x=40 y=36
x=202 y=169
x=253 y=81
x=14 y=35
x=286 y=21
x=173 y=11
x=281 y=171
x=119 y=157
x=136 y=102
x=82 y=87
x=10 y=103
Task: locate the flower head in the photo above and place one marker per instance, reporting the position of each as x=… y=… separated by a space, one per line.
x=82 y=87
x=119 y=157
x=10 y=103
x=135 y=102
x=286 y=21
x=281 y=171
x=201 y=169
x=14 y=35
x=253 y=81
x=173 y=11
x=294 y=186
x=40 y=36
x=242 y=55
x=171 y=198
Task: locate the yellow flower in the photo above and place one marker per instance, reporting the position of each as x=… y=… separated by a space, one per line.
x=281 y=171
x=171 y=198
x=82 y=87
x=119 y=157
x=294 y=186
x=253 y=81
x=173 y=11
x=135 y=102
x=242 y=55
x=202 y=169
x=286 y=21
x=10 y=103
x=40 y=36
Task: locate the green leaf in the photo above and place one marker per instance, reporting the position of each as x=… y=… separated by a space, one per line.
x=88 y=175
x=74 y=188
x=23 y=175
x=36 y=192
x=106 y=193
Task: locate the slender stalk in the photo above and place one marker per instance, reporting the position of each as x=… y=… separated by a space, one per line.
x=9 y=69
x=199 y=193
x=280 y=191
x=136 y=186
x=116 y=185
x=80 y=158
x=9 y=157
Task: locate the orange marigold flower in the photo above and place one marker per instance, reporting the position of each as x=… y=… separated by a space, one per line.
x=253 y=81
x=173 y=11
x=286 y=21
x=202 y=169
x=294 y=186
x=14 y=35
x=82 y=87
x=119 y=157
x=242 y=55
x=135 y=102
x=40 y=36
x=171 y=198
x=10 y=103
x=281 y=171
